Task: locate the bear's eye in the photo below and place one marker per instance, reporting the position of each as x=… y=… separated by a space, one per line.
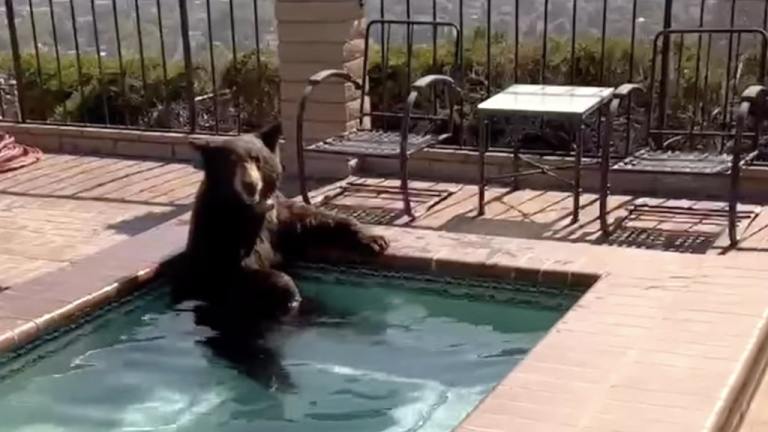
x=256 y=159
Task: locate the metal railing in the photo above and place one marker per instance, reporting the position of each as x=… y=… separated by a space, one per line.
x=543 y=29
x=598 y=42
x=208 y=65
x=148 y=64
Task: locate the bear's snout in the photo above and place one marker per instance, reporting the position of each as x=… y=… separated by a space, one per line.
x=249 y=182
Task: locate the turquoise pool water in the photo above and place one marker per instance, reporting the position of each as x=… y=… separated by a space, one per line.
x=386 y=352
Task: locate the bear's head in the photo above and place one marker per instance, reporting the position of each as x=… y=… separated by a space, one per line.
x=245 y=168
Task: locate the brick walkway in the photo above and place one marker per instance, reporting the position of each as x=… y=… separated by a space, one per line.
x=67 y=207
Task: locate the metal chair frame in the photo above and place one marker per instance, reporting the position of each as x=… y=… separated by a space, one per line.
x=751 y=103
x=408 y=143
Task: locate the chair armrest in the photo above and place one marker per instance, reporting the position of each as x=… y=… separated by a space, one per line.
x=754 y=93
x=430 y=80
x=418 y=86
x=314 y=81
x=623 y=93
x=323 y=75
x=752 y=102
x=626 y=90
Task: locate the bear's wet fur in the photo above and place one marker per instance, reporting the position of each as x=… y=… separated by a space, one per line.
x=243 y=232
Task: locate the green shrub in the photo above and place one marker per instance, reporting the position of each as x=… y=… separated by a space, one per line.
x=255 y=85
x=127 y=98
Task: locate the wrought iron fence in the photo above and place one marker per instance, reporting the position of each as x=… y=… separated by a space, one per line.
x=208 y=65
x=150 y=64
x=546 y=31
x=592 y=42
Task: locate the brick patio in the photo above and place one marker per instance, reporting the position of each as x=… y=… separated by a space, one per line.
x=546 y=215
x=65 y=208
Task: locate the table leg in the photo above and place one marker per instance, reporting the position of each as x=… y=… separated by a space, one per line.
x=515 y=163
x=482 y=145
x=577 y=173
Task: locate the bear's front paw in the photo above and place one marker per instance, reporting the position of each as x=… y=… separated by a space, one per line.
x=373 y=244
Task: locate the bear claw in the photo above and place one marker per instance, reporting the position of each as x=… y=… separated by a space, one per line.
x=374 y=244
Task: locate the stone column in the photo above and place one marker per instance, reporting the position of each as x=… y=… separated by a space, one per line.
x=314 y=35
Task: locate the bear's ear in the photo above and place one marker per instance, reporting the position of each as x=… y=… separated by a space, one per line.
x=270 y=135
x=209 y=153
x=201 y=147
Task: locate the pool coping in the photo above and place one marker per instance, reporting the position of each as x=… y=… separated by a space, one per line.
x=586 y=374
x=60 y=297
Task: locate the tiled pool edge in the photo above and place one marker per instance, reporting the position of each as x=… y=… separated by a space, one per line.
x=58 y=318
x=454 y=254
x=59 y=298
x=65 y=295
x=737 y=402
x=619 y=269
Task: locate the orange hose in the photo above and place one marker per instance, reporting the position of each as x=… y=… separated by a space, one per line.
x=14 y=155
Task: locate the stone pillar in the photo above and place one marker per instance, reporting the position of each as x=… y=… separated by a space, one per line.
x=314 y=35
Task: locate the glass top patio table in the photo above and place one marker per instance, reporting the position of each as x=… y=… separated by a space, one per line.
x=519 y=102
x=546 y=100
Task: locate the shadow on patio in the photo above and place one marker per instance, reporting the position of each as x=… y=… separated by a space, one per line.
x=637 y=222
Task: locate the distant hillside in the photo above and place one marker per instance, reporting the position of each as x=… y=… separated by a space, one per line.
x=530 y=18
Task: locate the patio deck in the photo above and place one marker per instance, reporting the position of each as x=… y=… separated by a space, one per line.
x=546 y=215
x=67 y=207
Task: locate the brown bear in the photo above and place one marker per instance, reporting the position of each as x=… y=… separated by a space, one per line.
x=243 y=231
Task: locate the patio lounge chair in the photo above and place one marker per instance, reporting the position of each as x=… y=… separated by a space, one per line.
x=417 y=130
x=694 y=150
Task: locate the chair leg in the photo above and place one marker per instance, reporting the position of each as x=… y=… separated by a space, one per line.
x=303 y=187
x=302 y=174
x=733 y=205
x=404 y=185
x=733 y=201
